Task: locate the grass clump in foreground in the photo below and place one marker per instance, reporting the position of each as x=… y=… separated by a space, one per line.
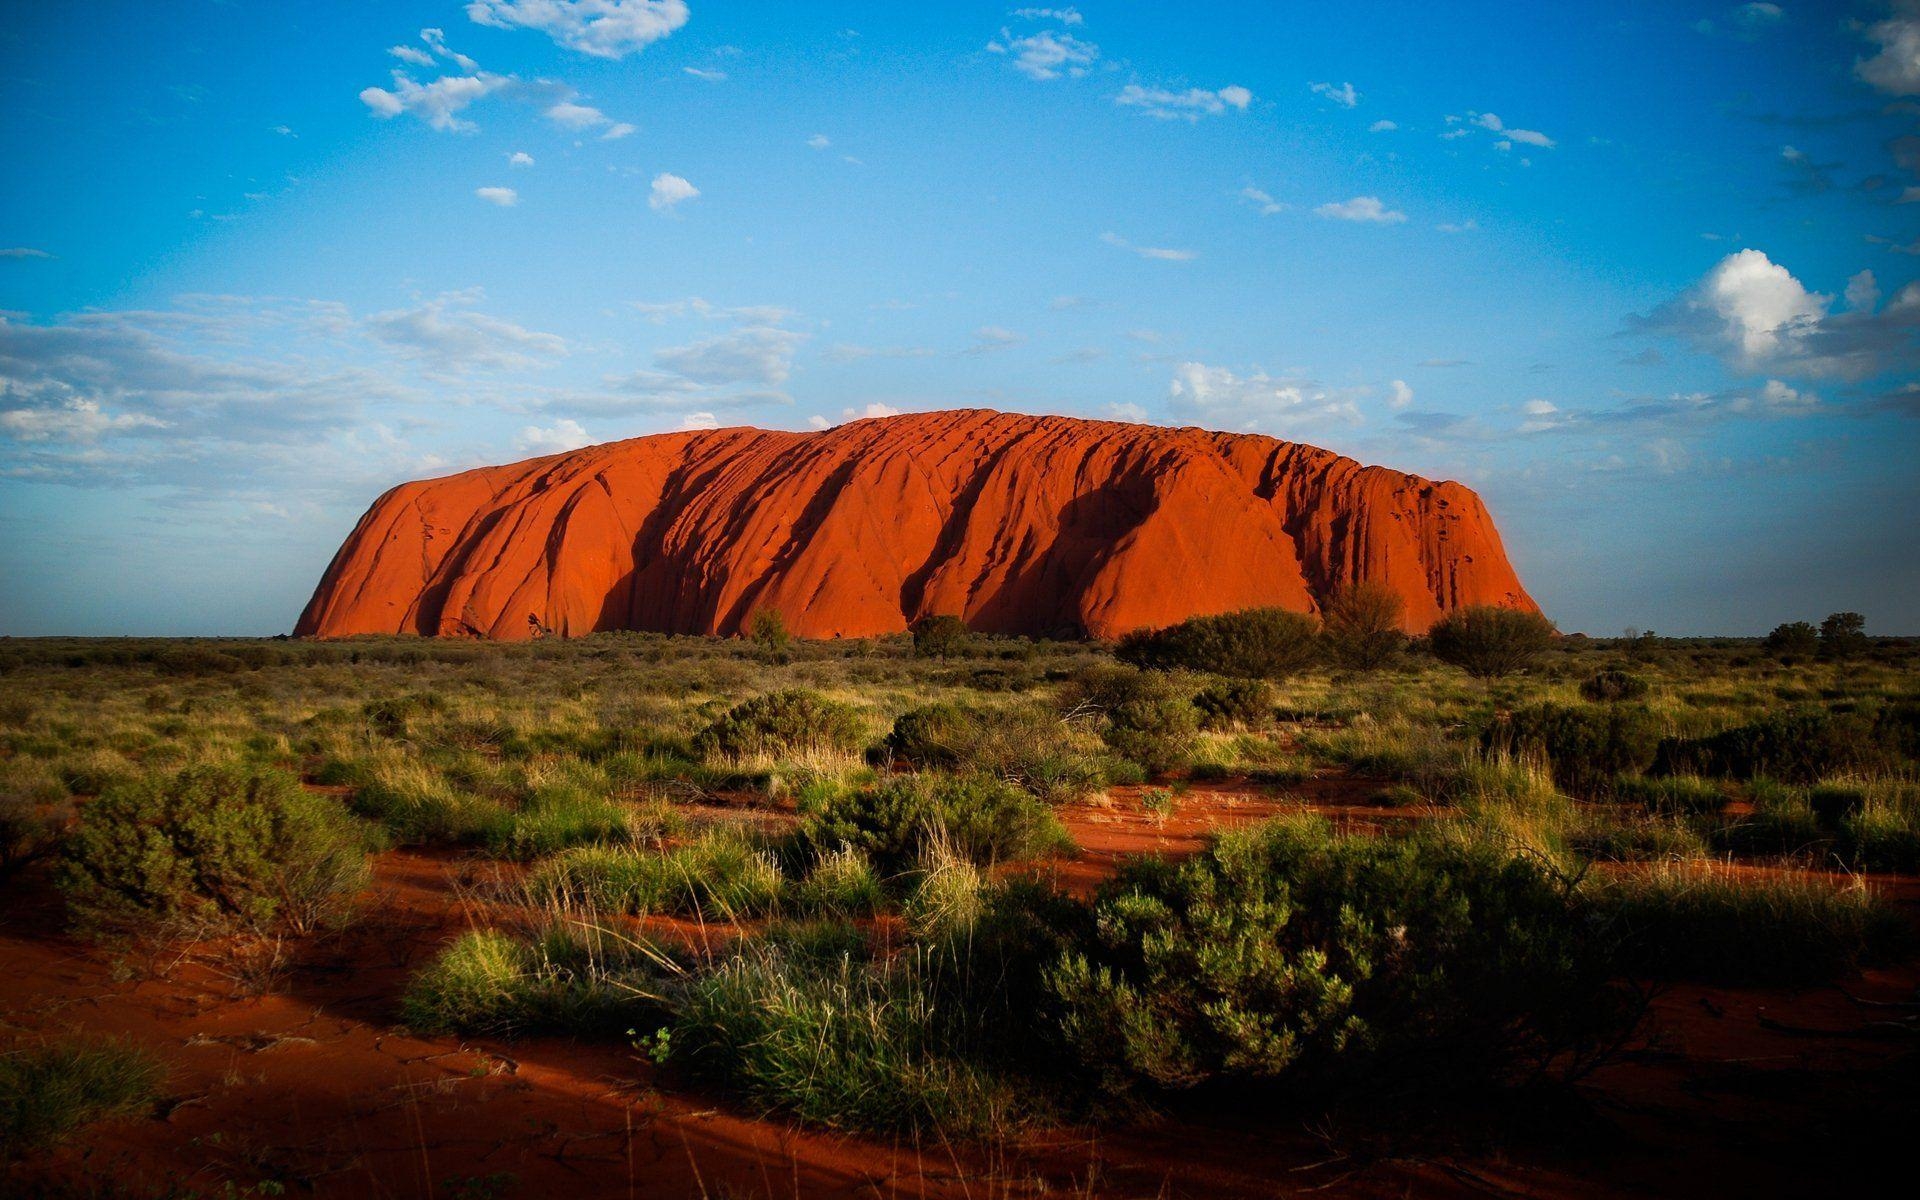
x=724 y=873
x=213 y=847
x=47 y=1092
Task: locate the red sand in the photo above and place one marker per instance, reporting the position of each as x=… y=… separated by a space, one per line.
x=1024 y=525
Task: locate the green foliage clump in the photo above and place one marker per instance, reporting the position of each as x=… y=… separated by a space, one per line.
x=978 y=818
x=1611 y=686
x=47 y=1092
x=1586 y=749
x=1487 y=641
x=1362 y=623
x=841 y=883
x=1235 y=703
x=940 y=637
x=490 y=982
x=1289 y=951
x=777 y=725
x=724 y=873
x=1671 y=795
x=768 y=630
x=213 y=845
x=1843 y=636
x=1254 y=643
x=1793 y=642
x=936 y=735
x=1150 y=720
x=1797 y=745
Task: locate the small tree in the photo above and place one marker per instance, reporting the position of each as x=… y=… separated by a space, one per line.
x=768 y=630
x=1487 y=641
x=1793 y=642
x=1843 y=635
x=1363 y=625
x=940 y=637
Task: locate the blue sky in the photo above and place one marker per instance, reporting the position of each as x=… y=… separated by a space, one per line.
x=1643 y=274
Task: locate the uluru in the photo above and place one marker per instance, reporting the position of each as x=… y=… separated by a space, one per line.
x=1017 y=524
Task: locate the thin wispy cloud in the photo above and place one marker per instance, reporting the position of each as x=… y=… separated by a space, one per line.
x=1366 y=210
x=1160 y=253
x=1188 y=105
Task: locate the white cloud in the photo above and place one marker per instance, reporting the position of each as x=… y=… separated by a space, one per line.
x=563 y=435
x=23 y=252
x=520 y=158
x=437 y=39
x=1401 y=396
x=438 y=103
x=447 y=334
x=696 y=306
x=669 y=190
x=1466 y=226
x=601 y=28
x=699 y=420
x=1127 y=411
x=1066 y=16
x=568 y=115
x=819 y=141
x=1218 y=395
x=1047 y=55
x=411 y=54
x=505 y=197
x=619 y=129
x=1159 y=253
x=1365 y=209
x=1382 y=127
x=755 y=354
x=74 y=420
x=1896 y=68
x=1189 y=105
x=989 y=338
x=706 y=74
x=1753 y=314
x=871 y=412
x=1262 y=201
x=1344 y=95
x=847 y=352
x=1493 y=124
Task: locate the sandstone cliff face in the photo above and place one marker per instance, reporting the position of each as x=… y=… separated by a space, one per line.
x=1018 y=524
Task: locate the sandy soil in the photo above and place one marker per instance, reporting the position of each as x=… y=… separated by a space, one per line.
x=309 y=1082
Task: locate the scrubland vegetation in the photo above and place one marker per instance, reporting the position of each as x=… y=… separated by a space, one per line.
x=822 y=878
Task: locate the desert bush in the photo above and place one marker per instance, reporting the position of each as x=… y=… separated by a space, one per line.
x=841 y=883
x=1288 y=951
x=1487 y=641
x=1735 y=925
x=1254 y=643
x=1586 y=749
x=1671 y=795
x=557 y=816
x=790 y=724
x=419 y=804
x=47 y=1092
x=1150 y=720
x=1612 y=686
x=1883 y=833
x=936 y=735
x=1798 y=745
x=221 y=845
x=768 y=630
x=1625 y=838
x=724 y=873
x=1843 y=636
x=1362 y=625
x=33 y=816
x=979 y=818
x=940 y=637
x=1795 y=641
x=1235 y=703
x=489 y=982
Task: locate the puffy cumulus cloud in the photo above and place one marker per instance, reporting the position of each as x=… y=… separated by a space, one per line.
x=699 y=420
x=819 y=141
x=520 y=158
x=1189 y=105
x=669 y=190
x=755 y=354
x=1399 y=395
x=1382 y=127
x=1507 y=135
x=1259 y=400
x=505 y=197
x=1752 y=313
x=1364 y=209
x=1046 y=55
x=1344 y=95
x=439 y=103
x=601 y=28
x=1895 y=70
x=448 y=335
x=558 y=438
x=1160 y=253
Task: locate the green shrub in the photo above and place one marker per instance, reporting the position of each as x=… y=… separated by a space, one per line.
x=1363 y=625
x=1796 y=641
x=1586 y=749
x=724 y=873
x=556 y=817
x=1235 y=703
x=1150 y=720
x=1254 y=643
x=47 y=1092
x=1288 y=951
x=1612 y=686
x=30 y=828
x=790 y=724
x=979 y=818
x=1732 y=925
x=490 y=982
x=841 y=883
x=940 y=637
x=1781 y=822
x=221 y=845
x=420 y=805
x=936 y=735
x=1671 y=795
x=1799 y=745
x=1883 y=832
x=1843 y=636
x=768 y=630
x=1487 y=641
x=1623 y=838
